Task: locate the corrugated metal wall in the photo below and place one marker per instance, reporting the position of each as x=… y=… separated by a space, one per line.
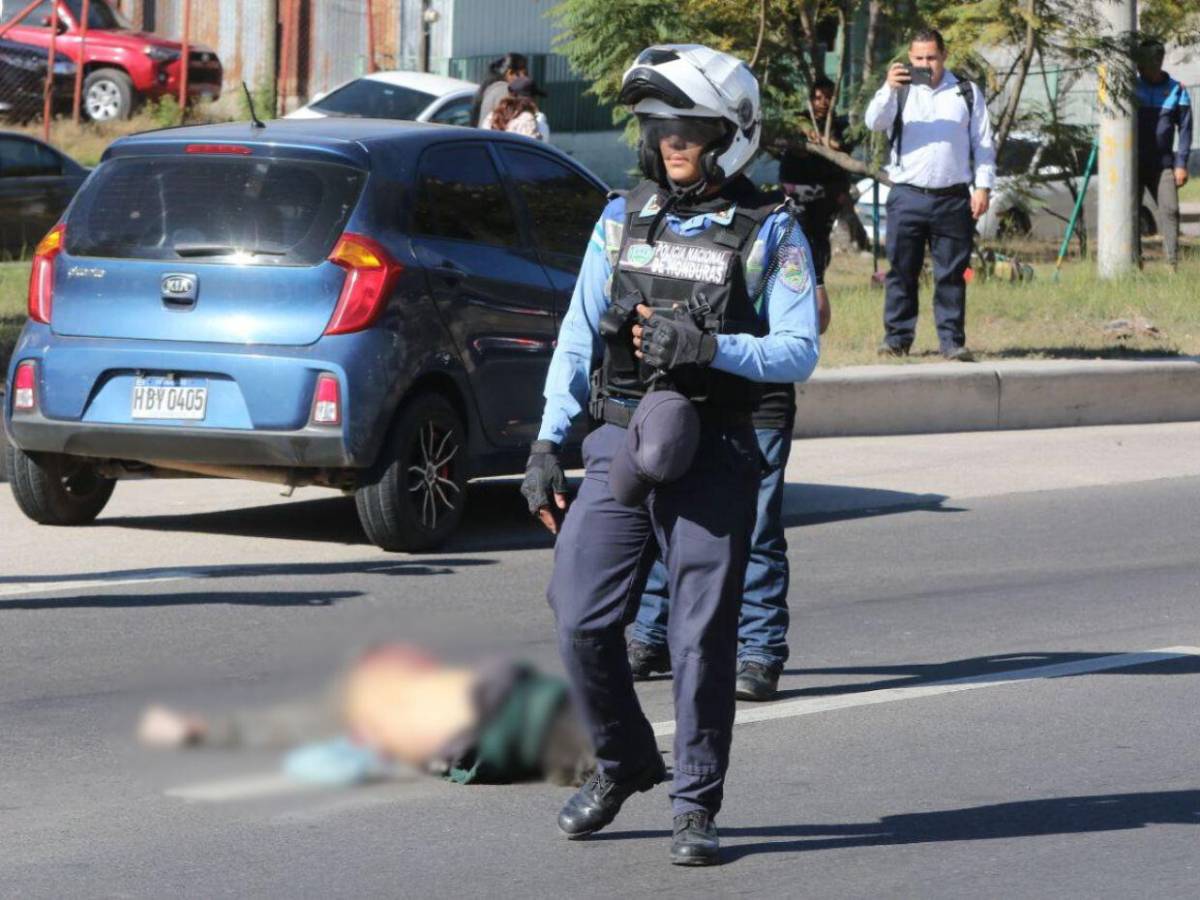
x=241 y=31
x=495 y=26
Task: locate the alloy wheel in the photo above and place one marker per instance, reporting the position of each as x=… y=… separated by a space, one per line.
x=431 y=476
x=103 y=101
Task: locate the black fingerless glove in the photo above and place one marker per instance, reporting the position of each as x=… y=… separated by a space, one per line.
x=544 y=476
x=668 y=343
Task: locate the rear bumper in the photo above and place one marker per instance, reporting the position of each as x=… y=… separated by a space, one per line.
x=310 y=447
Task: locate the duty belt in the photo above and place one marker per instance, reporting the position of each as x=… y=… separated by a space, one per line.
x=620 y=413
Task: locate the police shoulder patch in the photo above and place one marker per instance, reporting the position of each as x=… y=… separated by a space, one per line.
x=795 y=269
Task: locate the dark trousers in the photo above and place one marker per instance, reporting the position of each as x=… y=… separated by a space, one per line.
x=604 y=552
x=763 y=618
x=944 y=222
x=1160 y=184
x=816 y=220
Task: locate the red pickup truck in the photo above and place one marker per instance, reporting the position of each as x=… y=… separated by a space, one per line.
x=121 y=66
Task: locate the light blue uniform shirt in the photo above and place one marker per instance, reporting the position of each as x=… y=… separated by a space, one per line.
x=787 y=303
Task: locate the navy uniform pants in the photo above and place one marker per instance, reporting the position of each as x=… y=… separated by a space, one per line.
x=944 y=222
x=764 y=617
x=603 y=555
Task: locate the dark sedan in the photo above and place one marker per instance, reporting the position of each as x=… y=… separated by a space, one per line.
x=36 y=184
x=23 y=80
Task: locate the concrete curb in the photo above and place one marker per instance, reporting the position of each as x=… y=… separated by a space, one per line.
x=943 y=397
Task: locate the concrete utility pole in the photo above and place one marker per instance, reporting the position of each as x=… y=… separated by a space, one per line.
x=1116 y=246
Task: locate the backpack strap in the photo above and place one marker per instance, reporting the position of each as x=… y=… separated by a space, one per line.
x=898 y=122
x=966 y=90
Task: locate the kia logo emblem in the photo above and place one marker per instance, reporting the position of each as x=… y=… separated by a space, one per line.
x=179 y=287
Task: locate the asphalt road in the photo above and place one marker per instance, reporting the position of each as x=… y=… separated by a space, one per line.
x=979 y=560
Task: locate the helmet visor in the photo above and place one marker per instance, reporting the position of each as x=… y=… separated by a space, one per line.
x=686 y=130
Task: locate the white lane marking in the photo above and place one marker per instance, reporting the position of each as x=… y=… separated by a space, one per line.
x=161 y=575
x=810 y=705
x=246 y=788
x=51 y=587
x=274 y=784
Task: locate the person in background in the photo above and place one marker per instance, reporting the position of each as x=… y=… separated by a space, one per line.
x=502 y=72
x=1164 y=107
x=941 y=143
x=815 y=186
x=818 y=186
x=518 y=112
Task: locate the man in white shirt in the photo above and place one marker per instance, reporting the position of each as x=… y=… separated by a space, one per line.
x=941 y=145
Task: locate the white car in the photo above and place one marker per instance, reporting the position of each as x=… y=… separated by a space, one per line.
x=1032 y=198
x=415 y=96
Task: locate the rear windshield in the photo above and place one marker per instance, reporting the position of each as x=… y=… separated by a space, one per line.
x=370 y=99
x=224 y=209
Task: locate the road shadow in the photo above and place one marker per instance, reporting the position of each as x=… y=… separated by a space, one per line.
x=979 y=667
x=391 y=567
x=1027 y=818
x=806 y=503
x=497 y=518
x=331 y=520
x=196 y=598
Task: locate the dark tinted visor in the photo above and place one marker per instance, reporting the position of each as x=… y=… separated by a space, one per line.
x=690 y=130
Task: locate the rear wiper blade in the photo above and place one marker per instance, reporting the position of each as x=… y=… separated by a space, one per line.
x=189 y=250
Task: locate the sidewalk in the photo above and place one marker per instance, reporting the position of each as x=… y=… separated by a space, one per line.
x=837 y=477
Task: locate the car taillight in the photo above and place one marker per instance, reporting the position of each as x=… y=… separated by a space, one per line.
x=370 y=274
x=217 y=149
x=41 y=277
x=25 y=388
x=327 y=403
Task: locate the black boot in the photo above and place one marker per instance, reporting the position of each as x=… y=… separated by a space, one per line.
x=695 y=842
x=756 y=681
x=646 y=660
x=597 y=803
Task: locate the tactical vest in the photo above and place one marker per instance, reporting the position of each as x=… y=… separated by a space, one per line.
x=704 y=277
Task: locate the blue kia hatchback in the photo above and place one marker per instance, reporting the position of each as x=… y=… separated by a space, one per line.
x=365 y=305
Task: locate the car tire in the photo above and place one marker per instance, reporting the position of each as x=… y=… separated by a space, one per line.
x=53 y=489
x=108 y=95
x=415 y=496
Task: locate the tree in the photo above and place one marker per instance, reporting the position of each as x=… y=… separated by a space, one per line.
x=785 y=40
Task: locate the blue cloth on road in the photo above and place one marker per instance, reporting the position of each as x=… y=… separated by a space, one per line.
x=787 y=354
x=764 y=617
x=335 y=763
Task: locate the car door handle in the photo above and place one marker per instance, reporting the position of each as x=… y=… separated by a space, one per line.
x=450 y=272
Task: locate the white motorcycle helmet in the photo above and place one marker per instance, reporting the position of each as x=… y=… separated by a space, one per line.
x=711 y=95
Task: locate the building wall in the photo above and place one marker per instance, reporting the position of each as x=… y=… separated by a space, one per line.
x=497 y=26
x=241 y=31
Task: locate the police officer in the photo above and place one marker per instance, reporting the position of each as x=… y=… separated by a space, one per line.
x=662 y=301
